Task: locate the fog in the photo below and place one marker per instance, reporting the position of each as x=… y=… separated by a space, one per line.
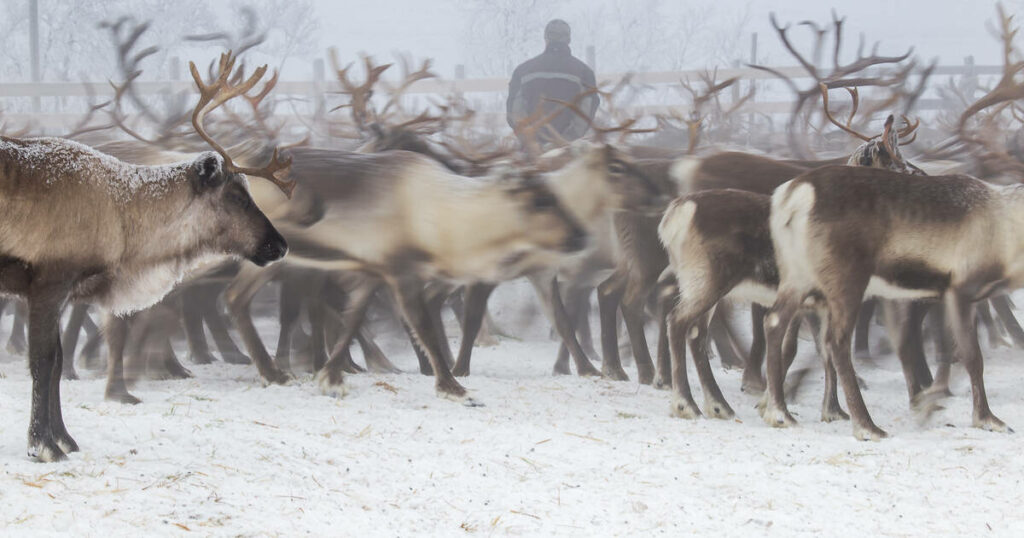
x=490 y=37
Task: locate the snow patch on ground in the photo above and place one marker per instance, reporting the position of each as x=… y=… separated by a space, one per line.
x=219 y=455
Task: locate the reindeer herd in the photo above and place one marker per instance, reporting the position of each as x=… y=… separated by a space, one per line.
x=413 y=215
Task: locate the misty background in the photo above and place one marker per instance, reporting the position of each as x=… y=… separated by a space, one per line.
x=488 y=37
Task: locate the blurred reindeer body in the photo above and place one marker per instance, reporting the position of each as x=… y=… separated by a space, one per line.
x=401 y=211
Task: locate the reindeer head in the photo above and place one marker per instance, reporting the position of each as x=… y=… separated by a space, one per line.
x=240 y=228
x=879 y=151
x=547 y=224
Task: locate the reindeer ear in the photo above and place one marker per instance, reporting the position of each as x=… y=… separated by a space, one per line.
x=209 y=172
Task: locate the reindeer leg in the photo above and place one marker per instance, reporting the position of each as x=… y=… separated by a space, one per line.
x=633 y=316
x=317 y=326
x=116 y=331
x=57 y=427
x=667 y=293
x=16 y=342
x=90 y=352
x=91 y=349
x=412 y=303
x=331 y=378
x=683 y=405
x=376 y=360
x=904 y=321
x=239 y=296
x=996 y=338
x=753 y=380
x=843 y=304
x=777 y=323
x=215 y=322
x=861 y=337
x=609 y=296
x=435 y=296
x=959 y=314
x=714 y=402
x=289 y=304
x=45 y=302
x=198 y=350
x=725 y=340
x=476 y=296
x=1003 y=308
x=70 y=338
x=564 y=327
x=944 y=355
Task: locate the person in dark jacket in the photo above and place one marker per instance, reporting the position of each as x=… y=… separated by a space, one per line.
x=554 y=74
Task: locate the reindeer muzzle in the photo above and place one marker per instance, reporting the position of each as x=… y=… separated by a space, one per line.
x=273 y=247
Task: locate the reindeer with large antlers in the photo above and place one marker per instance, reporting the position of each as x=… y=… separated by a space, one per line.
x=178 y=216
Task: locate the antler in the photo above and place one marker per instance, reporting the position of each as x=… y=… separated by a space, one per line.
x=359 y=94
x=839 y=76
x=855 y=96
x=214 y=95
x=408 y=79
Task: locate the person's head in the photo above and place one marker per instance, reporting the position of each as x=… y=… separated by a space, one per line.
x=557 y=31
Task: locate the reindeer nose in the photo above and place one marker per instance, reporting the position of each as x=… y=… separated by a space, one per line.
x=272 y=248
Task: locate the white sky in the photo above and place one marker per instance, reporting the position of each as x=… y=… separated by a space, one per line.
x=947 y=29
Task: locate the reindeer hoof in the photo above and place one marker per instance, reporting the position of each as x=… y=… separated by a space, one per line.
x=615 y=374
x=777 y=417
x=200 y=358
x=46 y=451
x=235 y=358
x=682 y=408
x=66 y=443
x=121 y=396
x=331 y=384
x=718 y=409
x=830 y=414
x=869 y=432
x=992 y=424
x=561 y=369
x=461 y=397
x=661 y=383
x=645 y=377
x=276 y=377
x=753 y=384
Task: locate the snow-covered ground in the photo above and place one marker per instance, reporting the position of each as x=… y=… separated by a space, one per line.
x=221 y=455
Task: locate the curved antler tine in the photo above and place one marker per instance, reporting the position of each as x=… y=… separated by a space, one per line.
x=855 y=100
x=910 y=127
x=824 y=98
x=276 y=171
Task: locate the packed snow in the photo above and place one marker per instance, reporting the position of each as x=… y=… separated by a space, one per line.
x=221 y=455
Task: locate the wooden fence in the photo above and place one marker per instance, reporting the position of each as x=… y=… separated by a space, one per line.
x=69 y=98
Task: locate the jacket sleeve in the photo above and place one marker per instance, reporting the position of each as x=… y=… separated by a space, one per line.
x=578 y=126
x=514 y=106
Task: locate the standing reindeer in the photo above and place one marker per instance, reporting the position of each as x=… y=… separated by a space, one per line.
x=116 y=235
x=719 y=245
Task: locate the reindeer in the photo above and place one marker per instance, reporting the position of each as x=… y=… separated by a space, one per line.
x=905 y=236
x=119 y=236
x=720 y=246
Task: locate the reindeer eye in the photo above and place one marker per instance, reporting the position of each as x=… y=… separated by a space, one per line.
x=237 y=198
x=617 y=168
